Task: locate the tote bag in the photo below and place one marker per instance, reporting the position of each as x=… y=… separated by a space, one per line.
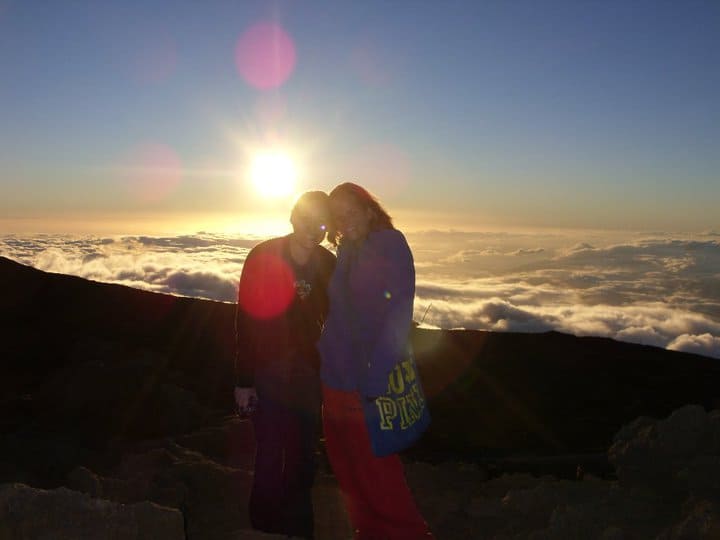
x=396 y=420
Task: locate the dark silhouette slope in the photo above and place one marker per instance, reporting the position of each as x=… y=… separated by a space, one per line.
x=43 y=316
x=108 y=361
x=551 y=392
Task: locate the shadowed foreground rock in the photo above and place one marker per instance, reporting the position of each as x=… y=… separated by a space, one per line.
x=679 y=454
x=207 y=476
x=668 y=488
x=60 y=514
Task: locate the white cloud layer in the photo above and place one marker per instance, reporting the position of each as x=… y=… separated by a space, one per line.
x=203 y=266
x=659 y=289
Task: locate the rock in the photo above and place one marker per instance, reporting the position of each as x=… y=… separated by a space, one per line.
x=686 y=432
x=85 y=481
x=633 y=429
x=702 y=522
x=42 y=457
x=442 y=492
x=700 y=477
x=249 y=534
x=715 y=431
x=650 y=453
x=232 y=443
x=555 y=504
x=212 y=497
x=331 y=520
x=613 y=533
x=62 y=514
x=499 y=487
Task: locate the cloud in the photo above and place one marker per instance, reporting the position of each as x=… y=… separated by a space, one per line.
x=655 y=289
x=581 y=247
x=648 y=324
x=194 y=242
x=526 y=251
x=467 y=255
x=705 y=344
x=648 y=290
x=203 y=285
x=494 y=314
x=199 y=266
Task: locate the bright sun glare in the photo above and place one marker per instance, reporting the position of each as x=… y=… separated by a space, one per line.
x=273 y=175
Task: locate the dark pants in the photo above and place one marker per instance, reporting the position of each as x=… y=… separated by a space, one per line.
x=286 y=436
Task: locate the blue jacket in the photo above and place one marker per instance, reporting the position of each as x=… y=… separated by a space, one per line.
x=371 y=297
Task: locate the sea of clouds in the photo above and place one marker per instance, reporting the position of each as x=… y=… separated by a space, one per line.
x=654 y=289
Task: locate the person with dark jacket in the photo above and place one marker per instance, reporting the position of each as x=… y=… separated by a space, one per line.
x=282 y=305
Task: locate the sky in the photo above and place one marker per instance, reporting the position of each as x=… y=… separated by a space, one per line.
x=555 y=165
x=144 y=116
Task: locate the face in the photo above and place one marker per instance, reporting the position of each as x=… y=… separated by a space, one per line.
x=352 y=218
x=310 y=226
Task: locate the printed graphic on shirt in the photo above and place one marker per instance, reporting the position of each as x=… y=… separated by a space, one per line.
x=404 y=401
x=303 y=288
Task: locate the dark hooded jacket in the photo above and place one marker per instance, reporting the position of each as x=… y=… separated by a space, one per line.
x=280 y=314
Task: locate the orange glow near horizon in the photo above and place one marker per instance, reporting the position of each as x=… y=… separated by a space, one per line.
x=241 y=224
x=271 y=218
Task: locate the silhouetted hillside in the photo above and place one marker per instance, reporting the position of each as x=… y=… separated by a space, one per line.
x=108 y=361
x=45 y=316
x=551 y=392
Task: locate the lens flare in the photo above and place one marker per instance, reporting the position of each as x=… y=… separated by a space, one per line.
x=265 y=55
x=267 y=287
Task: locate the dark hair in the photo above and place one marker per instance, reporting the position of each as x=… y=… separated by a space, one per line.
x=380 y=220
x=310 y=200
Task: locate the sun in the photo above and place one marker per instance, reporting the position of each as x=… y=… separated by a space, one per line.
x=273 y=175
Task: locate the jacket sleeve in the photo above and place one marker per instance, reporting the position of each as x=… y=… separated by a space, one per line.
x=392 y=308
x=244 y=344
x=328 y=269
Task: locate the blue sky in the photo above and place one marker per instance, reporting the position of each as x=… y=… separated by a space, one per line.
x=539 y=114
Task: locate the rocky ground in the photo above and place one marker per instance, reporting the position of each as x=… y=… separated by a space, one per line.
x=196 y=486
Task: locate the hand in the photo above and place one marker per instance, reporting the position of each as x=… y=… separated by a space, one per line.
x=246 y=400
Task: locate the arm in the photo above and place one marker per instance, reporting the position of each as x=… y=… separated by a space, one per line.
x=329 y=264
x=244 y=344
x=245 y=396
x=243 y=377
x=392 y=309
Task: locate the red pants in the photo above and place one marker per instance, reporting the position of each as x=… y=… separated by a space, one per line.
x=376 y=495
